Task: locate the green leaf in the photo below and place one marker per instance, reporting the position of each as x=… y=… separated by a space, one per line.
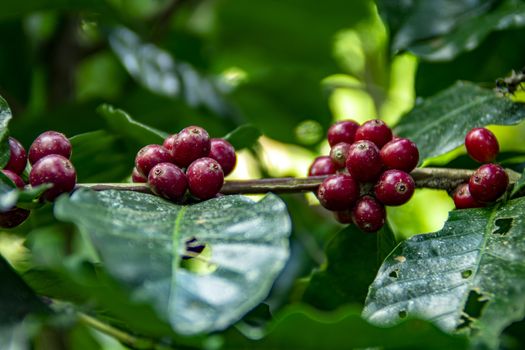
x=157 y=71
x=300 y=327
x=247 y=246
x=5 y=117
x=350 y=268
x=440 y=123
x=519 y=185
x=131 y=130
x=470 y=276
x=245 y=136
x=13 y=8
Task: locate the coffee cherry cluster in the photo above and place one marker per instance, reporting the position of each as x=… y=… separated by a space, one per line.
x=187 y=161
x=489 y=181
x=49 y=159
x=368 y=168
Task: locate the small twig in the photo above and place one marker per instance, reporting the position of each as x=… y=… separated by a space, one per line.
x=436 y=178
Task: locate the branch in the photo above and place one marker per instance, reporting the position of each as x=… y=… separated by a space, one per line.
x=436 y=178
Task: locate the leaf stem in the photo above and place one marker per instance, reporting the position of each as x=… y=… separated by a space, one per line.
x=437 y=178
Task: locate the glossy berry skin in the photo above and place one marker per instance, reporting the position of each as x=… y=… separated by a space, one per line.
x=14 y=217
x=395 y=187
x=149 y=156
x=168 y=180
x=368 y=214
x=374 y=130
x=17 y=180
x=338 y=154
x=401 y=154
x=338 y=192
x=224 y=153
x=364 y=161
x=463 y=199
x=49 y=142
x=205 y=178
x=322 y=165
x=343 y=131
x=137 y=177
x=488 y=183
x=482 y=145
x=17 y=158
x=188 y=145
x=56 y=170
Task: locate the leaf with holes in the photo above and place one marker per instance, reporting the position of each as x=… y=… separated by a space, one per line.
x=144 y=243
x=470 y=276
x=440 y=123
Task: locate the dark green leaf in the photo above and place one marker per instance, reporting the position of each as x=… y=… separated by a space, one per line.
x=350 y=268
x=24 y=198
x=519 y=185
x=13 y=8
x=440 y=123
x=470 y=276
x=247 y=247
x=5 y=117
x=120 y=123
x=245 y=136
x=300 y=327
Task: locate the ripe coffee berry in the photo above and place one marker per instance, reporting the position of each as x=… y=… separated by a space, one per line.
x=338 y=192
x=395 y=187
x=343 y=131
x=224 y=153
x=463 y=199
x=364 y=161
x=149 y=156
x=188 y=145
x=168 y=180
x=338 y=153
x=205 y=178
x=374 y=130
x=482 y=145
x=17 y=158
x=17 y=180
x=49 y=142
x=368 y=214
x=138 y=177
x=13 y=217
x=488 y=183
x=322 y=166
x=400 y=153
x=343 y=216
x=56 y=170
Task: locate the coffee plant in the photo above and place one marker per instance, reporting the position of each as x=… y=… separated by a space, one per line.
x=199 y=174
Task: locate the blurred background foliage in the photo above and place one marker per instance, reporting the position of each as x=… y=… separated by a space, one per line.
x=290 y=68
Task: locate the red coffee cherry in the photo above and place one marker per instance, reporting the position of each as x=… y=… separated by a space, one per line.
x=368 y=214
x=401 y=154
x=149 y=156
x=168 y=180
x=13 y=217
x=17 y=180
x=395 y=187
x=322 y=165
x=488 y=183
x=343 y=216
x=363 y=161
x=49 y=142
x=338 y=154
x=463 y=199
x=338 y=192
x=17 y=158
x=188 y=145
x=224 y=153
x=205 y=178
x=343 y=131
x=374 y=130
x=482 y=145
x=56 y=170
x=138 y=177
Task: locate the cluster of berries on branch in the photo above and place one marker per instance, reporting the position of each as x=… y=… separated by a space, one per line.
x=368 y=168
x=186 y=162
x=490 y=181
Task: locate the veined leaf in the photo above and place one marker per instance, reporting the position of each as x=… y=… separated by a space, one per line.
x=440 y=123
x=470 y=276
x=141 y=240
x=5 y=117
